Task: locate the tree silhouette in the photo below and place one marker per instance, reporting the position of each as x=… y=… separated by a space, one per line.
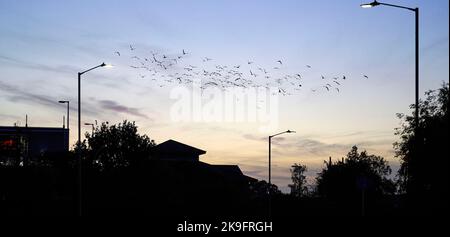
x=424 y=156
x=116 y=146
x=261 y=189
x=356 y=173
x=298 y=186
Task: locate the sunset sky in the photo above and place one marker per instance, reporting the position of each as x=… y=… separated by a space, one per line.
x=44 y=44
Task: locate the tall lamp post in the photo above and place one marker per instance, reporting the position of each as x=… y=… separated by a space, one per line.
x=416 y=107
x=270 y=167
x=68 y=128
x=79 y=135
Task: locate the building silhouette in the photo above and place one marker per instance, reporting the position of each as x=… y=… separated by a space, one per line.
x=174 y=151
x=19 y=145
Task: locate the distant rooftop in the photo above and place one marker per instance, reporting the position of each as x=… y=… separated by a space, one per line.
x=173 y=150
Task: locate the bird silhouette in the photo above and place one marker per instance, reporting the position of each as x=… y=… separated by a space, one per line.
x=366 y=76
x=223 y=76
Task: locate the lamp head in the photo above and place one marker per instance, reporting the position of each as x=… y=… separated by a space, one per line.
x=289 y=131
x=106 y=65
x=63 y=101
x=369 y=5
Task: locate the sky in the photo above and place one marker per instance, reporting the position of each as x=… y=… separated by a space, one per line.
x=44 y=44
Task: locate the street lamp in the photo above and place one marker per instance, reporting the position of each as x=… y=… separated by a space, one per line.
x=68 y=106
x=270 y=166
x=369 y=5
x=79 y=134
x=68 y=128
x=416 y=12
x=90 y=124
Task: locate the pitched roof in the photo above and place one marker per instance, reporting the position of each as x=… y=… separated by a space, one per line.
x=174 y=147
x=232 y=171
x=228 y=169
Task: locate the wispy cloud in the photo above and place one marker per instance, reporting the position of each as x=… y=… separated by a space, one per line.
x=317 y=147
x=36 y=66
x=94 y=107
x=311 y=146
x=116 y=107
x=275 y=140
x=7 y=116
x=16 y=94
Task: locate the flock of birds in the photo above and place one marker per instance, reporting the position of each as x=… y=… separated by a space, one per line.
x=165 y=69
